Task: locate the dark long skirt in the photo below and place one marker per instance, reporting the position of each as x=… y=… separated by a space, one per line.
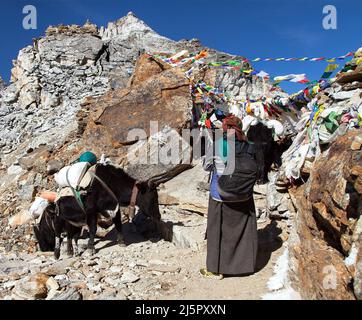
x=232 y=238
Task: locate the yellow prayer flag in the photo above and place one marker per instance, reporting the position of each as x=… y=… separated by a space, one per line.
x=331 y=67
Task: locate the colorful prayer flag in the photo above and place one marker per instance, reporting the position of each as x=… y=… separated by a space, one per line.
x=300 y=78
x=263 y=74
x=329 y=70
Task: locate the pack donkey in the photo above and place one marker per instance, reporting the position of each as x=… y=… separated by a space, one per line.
x=111 y=189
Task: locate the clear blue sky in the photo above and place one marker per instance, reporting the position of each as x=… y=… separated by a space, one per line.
x=252 y=28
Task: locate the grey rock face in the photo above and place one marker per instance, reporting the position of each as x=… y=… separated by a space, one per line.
x=51 y=78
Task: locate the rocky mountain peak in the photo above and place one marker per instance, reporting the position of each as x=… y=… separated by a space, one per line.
x=126 y=27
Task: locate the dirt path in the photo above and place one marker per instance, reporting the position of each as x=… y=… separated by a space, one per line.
x=144 y=269
x=196 y=287
x=187 y=284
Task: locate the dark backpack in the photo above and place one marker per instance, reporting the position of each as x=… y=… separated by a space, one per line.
x=238 y=186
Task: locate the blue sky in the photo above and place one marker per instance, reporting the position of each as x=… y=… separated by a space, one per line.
x=252 y=28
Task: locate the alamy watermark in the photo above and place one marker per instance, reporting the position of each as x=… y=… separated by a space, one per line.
x=330 y=18
x=30 y=21
x=169 y=147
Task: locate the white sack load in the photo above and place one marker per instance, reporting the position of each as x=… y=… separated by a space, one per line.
x=38 y=207
x=74 y=174
x=249 y=121
x=276 y=126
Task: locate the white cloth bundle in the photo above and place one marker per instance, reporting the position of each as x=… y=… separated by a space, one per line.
x=277 y=126
x=73 y=174
x=38 y=207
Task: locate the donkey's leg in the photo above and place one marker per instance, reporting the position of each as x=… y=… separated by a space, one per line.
x=58 y=228
x=92 y=224
x=76 y=247
x=118 y=224
x=70 y=250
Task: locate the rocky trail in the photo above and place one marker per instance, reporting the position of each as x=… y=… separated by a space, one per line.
x=143 y=269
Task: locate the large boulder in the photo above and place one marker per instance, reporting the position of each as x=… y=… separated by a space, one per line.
x=186 y=191
x=164 y=98
x=158 y=103
x=329 y=206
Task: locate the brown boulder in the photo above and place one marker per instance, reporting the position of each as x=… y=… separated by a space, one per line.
x=164 y=98
x=333 y=192
x=31 y=287
x=352 y=76
x=321 y=272
x=328 y=209
x=145 y=68
x=156 y=93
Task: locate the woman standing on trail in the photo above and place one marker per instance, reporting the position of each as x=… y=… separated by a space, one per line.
x=232 y=238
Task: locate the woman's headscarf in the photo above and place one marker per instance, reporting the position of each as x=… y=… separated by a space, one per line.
x=232 y=122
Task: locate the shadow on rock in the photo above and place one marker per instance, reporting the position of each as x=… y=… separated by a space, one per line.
x=268 y=242
x=141 y=229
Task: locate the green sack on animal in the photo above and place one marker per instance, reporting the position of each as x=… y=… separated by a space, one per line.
x=89 y=157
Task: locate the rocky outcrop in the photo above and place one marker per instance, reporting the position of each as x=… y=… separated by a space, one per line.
x=51 y=78
x=155 y=93
x=163 y=97
x=323 y=171
x=48 y=82
x=329 y=209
